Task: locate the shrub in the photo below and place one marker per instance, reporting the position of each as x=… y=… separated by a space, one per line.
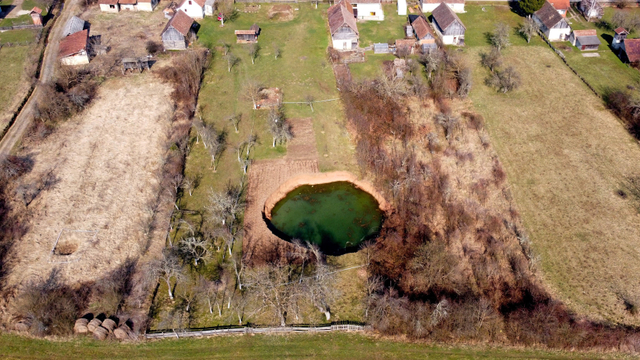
x=154 y=47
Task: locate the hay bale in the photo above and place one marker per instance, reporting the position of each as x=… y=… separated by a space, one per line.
x=123 y=332
x=81 y=326
x=109 y=324
x=22 y=325
x=93 y=324
x=100 y=333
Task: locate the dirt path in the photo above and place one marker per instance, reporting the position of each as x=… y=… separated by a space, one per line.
x=23 y=120
x=265 y=177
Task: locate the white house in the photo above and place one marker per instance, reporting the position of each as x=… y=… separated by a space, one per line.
x=131 y=5
x=208 y=7
x=448 y=25
x=342 y=24
x=193 y=8
x=430 y=5
x=109 y=6
x=551 y=23
x=147 y=5
x=402 y=7
x=73 y=49
x=368 y=10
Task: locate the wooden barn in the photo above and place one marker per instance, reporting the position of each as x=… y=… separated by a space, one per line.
x=554 y=26
x=342 y=24
x=248 y=36
x=73 y=49
x=448 y=25
x=36 y=15
x=585 y=40
x=178 y=32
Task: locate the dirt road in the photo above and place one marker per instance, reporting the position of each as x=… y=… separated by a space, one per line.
x=23 y=120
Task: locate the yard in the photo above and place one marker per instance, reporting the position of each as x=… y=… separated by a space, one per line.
x=566 y=156
x=12 y=75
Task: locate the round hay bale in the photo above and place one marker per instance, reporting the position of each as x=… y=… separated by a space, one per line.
x=81 y=326
x=100 y=333
x=123 y=332
x=22 y=325
x=93 y=324
x=109 y=324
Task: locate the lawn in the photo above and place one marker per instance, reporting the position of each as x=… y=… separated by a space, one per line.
x=386 y=31
x=565 y=157
x=316 y=346
x=11 y=73
x=19 y=36
x=30 y=4
x=20 y=20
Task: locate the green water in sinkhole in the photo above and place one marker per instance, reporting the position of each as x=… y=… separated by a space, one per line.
x=336 y=216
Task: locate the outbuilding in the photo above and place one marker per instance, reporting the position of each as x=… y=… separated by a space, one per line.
x=368 y=10
x=428 y=6
x=248 y=36
x=73 y=49
x=131 y=5
x=147 y=5
x=36 y=16
x=73 y=25
x=209 y=7
x=448 y=25
x=585 y=40
x=178 y=32
x=554 y=26
x=342 y=24
x=111 y=6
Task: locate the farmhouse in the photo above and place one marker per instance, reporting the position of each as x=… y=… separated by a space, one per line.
x=631 y=49
x=368 y=9
x=561 y=6
x=554 y=26
x=585 y=40
x=448 y=26
x=248 y=36
x=178 y=32
x=193 y=8
x=591 y=9
x=422 y=32
x=430 y=5
x=73 y=25
x=36 y=15
x=342 y=24
x=618 y=39
x=73 y=49
x=109 y=6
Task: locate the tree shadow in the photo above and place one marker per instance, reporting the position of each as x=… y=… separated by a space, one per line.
x=515 y=8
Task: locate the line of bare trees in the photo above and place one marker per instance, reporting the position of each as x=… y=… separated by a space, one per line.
x=504 y=79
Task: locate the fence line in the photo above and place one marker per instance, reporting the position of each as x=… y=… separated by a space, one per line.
x=19 y=27
x=164 y=334
x=306 y=102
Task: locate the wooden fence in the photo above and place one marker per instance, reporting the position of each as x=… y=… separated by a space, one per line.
x=342 y=326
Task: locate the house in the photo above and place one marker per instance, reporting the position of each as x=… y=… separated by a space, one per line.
x=591 y=9
x=368 y=10
x=342 y=25
x=209 y=7
x=428 y=6
x=193 y=8
x=109 y=6
x=73 y=49
x=585 y=40
x=178 y=32
x=632 y=50
x=36 y=15
x=561 y=6
x=619 y=37
x=422 y=31
x=131 y=5
x=448 y=26
x=248 y=36
x=402 y=7
x=554 y=26
x=73 y=25
x=147 y=5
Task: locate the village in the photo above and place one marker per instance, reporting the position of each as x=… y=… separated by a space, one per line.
x=460 y=172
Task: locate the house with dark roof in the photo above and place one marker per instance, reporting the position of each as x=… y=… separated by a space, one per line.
x=428 y=6
x=631 y=48
x=178 y=32
x=554 y=26
x=248 y=36
x=591 y=9
x=342 y=25
x=619 y=37
x=73 y=49
x=422 y=32
x=561 y=6
x=193 y=8
x=73 y=25
x=448 y=25
x=368 y=10
x=585 y=40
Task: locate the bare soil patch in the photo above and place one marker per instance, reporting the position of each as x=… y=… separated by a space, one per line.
x=105 y=163
x=281 y=13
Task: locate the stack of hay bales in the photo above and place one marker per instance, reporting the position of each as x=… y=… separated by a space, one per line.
x=102 y=328
x=94 y=324
x=123 y=332
x=100 y=333
x=81 y=326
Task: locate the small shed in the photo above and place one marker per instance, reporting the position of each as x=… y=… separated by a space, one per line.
x=381 y=48
x=248 y=36
x=561 y=6
x=585 y=40
x=178 y=32
x=36 y=15
x=73 y=49
x=111 y=6
x=619 y=37
x=73 y=25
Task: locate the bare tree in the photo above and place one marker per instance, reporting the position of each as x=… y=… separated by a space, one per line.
x=167 y=268
x=225 y=205
x=245 y=165
x=252 y=90
x=188 y=184
x=320 y=286
x=432 y=61
x=505 y=80
x=500 y=36
x=273 y=287
x=235 y=120
x=225 y=47
x=225 y=10
x=450 y=123
x=214 y=142
x=529 y=28
x=279 y=126
x=193 y=248
x=276 y=51
x=238 y=267
x=309 y=99
x=254 y=52
x=232 y=60
x=251 y=141
x=491 y=60
x=465 y=81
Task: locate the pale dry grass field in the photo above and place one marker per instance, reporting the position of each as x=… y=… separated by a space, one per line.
x=566 y=156
x=104 y=164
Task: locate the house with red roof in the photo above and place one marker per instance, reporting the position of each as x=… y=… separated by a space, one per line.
x=36 y=15
x=561 y=6
x=631 y=50
x=618 y=39
x=73 y=49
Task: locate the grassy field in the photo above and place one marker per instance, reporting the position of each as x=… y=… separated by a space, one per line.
x=317 y=346
x=386 y=31
x=13 y=36
x=566 y=157
x=11 y=73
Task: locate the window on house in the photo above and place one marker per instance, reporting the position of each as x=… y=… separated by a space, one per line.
x=189 y=2
x=372 y=13
x=112 y=6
